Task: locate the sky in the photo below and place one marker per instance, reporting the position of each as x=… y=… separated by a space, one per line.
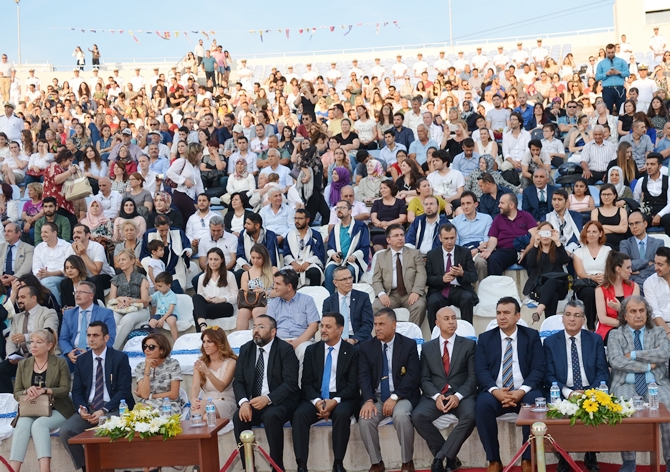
x=46 y=34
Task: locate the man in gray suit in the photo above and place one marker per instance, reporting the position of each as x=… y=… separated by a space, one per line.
x=638 y=352
x=641 y=248
x=399 y=279
x=449 y=385
x=21 y=260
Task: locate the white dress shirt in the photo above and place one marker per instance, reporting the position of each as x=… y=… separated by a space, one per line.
x=654 y=187
x=389 y=357
x=197 y=226
x=265 y=390
x=95 y=252
x=657 y=293
x=347 y=317
x=332 y=386
x=570 y=382
x=516 y=371
x=453 y=259
x=51 y=259
x=110 y=205
x=450 y=350
x=103 y=356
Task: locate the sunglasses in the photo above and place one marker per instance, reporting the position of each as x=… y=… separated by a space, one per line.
x=150 y=347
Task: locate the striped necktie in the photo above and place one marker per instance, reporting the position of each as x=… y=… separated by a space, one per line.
x=99 y=396
x=640 y=380
x=576 y=369
x=508 y=372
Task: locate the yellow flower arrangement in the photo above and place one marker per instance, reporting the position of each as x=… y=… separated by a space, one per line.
x=593 y=407
x=143 y=420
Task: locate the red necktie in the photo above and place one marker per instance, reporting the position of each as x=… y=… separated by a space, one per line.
x=445 y=290
x=445 y=361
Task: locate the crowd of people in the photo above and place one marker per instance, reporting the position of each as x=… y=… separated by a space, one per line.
x=423 y=188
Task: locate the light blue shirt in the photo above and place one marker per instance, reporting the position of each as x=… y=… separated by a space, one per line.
x=469 y=231
x=420 y=150
x=293 y=316
x=465 y=165
x=612 y=80
x=663 y=144
x=630 y=377
x=283 y=173
x=163 y=302
x=279 y=223
x=161 y=165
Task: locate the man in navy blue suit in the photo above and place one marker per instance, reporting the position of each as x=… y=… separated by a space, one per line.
x=537 y=197
x=353 y=305
x=509 y=363
x=101 y=380
x=72 y=339
x=576 y=361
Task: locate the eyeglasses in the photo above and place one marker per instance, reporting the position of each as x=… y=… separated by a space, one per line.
x=341 y=208
x=202 y=222
x=606 y=195
x=150 y=347
x=79 y=292
x=635 y=223
x=573 y=315
x=572 y=106
x=346 y=279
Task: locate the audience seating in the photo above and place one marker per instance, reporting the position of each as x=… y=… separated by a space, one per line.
x=318 y=294
x=551 y=325
x=490 y=290
x=186 y=350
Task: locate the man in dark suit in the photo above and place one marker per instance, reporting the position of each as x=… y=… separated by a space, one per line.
x=449 y=385
x=641 y=248
x=21 y=260
x=491 y=193
x=353 y=305
x=91 y=398
x=329 y=390
x=266 y=385
x=537 y=197
x=389 y=375
x=509 y=362
x=450 y=272
x=576 y=361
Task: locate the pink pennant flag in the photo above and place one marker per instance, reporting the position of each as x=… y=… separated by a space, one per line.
x=212 y=33
x=332 y=28
x=167 y=35
x=377 y=28
x=287 y=34
x=136 y=40
x=204 y=33
x=120 y=31
x=359 y=24
x=300 y=31
x=396 y=23
x=313 y=30
x=112 y=31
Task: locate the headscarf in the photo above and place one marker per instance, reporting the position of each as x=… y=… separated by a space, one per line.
x=336 y=187
x=244 y=174
x=489 y=161
x=620 y=186
x=93 y=221
x=168 y=202
x=122 y=211
x=378 y=171
x=467 y=114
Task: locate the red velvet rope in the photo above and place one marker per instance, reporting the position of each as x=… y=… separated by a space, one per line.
x=4 y=461
x=226 y=466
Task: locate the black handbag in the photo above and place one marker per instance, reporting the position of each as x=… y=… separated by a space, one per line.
x=580 y=284
x=563 y=277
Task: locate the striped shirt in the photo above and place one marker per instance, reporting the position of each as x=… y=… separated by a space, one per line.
x=597 y=156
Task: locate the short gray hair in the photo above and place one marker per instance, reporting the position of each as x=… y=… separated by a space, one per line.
x=215 y=220
x=599 y=128
x=576 y=304
x=635 y=298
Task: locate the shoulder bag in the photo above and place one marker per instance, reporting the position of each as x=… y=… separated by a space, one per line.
x=250 y=299
x=171 y=183
x=76 y=188
x=35 y=408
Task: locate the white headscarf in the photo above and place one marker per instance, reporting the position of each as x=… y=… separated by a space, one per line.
x=620 y=185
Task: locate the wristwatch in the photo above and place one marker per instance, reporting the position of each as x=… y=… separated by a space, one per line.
x=394 y=397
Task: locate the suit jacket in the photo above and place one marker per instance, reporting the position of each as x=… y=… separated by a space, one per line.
x=593 y=358
x=435 y=269
x=360 y=313
x=656 y=351
x=531 y=203
x=118 y=379
x=488 y=358
x=461 y=378
x=23 y=262
x=346 y=372
x=57 y=379
x=414 y=271
x=640 y=263
x=282 y=374
x=417 y=229
x=68 y=333
x=44 y=318
x=489 y=205
x=405 y=369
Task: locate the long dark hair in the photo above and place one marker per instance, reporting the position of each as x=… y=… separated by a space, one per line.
x=97 y=159
x=223 y=272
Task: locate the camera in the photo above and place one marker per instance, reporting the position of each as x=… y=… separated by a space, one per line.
x=340 y=255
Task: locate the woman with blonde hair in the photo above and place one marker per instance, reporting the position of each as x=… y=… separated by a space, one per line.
x=213 y=374
x=185 y=172
x=624 y=160
x=259 y=278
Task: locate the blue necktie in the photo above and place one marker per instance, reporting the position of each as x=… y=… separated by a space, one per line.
x=576 y=370
x=344 y=311
x=83 y=325
x=325 y=381
x=642 y=250
x=640 y=380
x=9 y=265
x=385 y=387
x=508 y=372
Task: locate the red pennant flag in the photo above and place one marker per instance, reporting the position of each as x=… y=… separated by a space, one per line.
x=332 y=28
x=300 y=31
x=287 y=34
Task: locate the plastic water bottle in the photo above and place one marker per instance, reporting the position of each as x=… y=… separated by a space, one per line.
x=123 y=408
x=166 y=408
x=603 y=387
x=554 y=393
x=210 y=411
x=653 y=395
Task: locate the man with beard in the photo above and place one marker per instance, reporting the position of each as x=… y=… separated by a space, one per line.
x=266 y=386
x=94 y=257
x=423 y=234
x=49 y=259
x=304 y=251
x=254 y=233
x=49 y=206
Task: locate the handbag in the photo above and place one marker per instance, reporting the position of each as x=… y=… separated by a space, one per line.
x=77 y=188
x=171 y=183
x=250 y=299
x=562 y=277
x=579 y=284
x=36 y=407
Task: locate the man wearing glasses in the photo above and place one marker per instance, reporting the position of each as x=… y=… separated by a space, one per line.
x=72 y=339
x=641 y=249
x=576 y=361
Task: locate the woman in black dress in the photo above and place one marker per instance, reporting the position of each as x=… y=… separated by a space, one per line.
x=386 y=211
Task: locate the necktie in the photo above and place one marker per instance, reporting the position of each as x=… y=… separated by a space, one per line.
x=9 y=265
x=576 y=370
x=543 y=198
x=98 y=397
x=447 y=289
x=445 y=361
x=258 y=374
x=385 y=388
x=344 y=311
x=83 y=325
x=508 y=374
x=325 y=381
x=640 y=380
x=642 y=249
x=25 y=322
x=402 y=291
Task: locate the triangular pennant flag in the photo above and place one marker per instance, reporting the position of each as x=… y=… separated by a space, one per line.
x=377 y=28
x=131 y=34
x=102 y=31
x=92 y=31
x=287 y=35
x=149 y=32
x=300 y=31
x=83 y=30
x=195 y=32
x=212 y=33
x=343 y=26
x=112 y=31
x=159 y=35
x=167 y=35
x=120 y=31
x=176 y=34
x=280 y=31
x=396 y=23
x=349 y=30
x=139 y=31
x=313 y=30
x=267 y=31
x=332 y=28
x=322 y=27
x=359 y=24
x=386 y=23
x=261 y=33
x=72 y=29
x=204 y=33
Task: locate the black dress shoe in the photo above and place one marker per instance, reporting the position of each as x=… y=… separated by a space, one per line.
x=302 y=468
x=437 y=465
x=338 y=467
x=562 y=465
x=591 y=461
x=453 y=464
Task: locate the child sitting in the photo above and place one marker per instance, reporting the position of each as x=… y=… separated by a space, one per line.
x=165 y=301
x=156 y=265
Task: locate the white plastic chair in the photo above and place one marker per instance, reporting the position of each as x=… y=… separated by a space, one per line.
x=238 y=338
x=492 y=289
x=551 y=325
x=402 y=314
x=184 y=309
x=464 y=329
x=411 y=330
x=494 y=324
x=367 y=288
x=132 y=347
x=663 y=237
x=191 y=343
x=318 y=294
x=184 y=398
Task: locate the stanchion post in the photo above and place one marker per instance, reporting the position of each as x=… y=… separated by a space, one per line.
x=247 y=438
x=538 y=430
